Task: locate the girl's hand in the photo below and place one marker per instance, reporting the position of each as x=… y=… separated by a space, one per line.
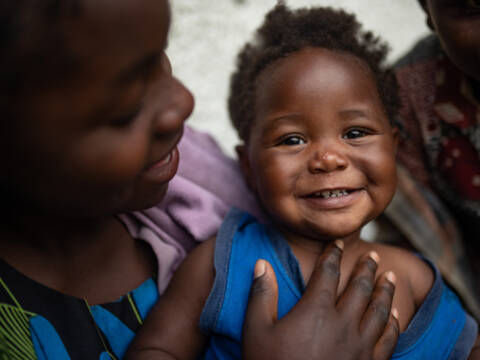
x=358 y=325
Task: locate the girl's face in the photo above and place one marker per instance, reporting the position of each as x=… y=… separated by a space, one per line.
x=457 y=23
x=321 y=154
x=103 y=140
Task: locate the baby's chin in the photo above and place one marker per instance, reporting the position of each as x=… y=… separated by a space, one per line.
x=325 y=236
x=328 y=237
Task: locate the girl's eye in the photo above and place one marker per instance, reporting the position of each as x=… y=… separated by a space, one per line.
x=123 y=120
x=292 y=141
x=355 y=133
x=475 y=4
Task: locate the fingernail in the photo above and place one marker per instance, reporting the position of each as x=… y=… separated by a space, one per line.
x=374 y=256
x=391 y=277
x=395 y=313
x=259 y=269
x=339 y=244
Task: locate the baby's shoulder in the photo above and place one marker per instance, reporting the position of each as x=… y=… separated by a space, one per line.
x=414 y=273
x=414 y=278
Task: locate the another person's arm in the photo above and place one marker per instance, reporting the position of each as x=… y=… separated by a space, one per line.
x=320 y=326
x=475 y=354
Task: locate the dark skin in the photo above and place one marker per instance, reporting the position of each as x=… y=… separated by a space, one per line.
x=101 y=140
x=319 y=127
x=456 y=23
x=97 y=145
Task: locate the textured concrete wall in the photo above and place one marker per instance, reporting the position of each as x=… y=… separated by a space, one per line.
x=207 y=34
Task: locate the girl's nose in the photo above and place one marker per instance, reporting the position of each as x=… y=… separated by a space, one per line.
x=175 y=106
x=327 y=161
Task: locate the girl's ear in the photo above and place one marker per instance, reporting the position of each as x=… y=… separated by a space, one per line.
x=424 y=5
x=242 y=154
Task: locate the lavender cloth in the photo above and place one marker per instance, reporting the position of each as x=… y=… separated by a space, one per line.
x=207 y=184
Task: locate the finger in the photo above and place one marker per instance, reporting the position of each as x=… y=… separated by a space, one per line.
x=378 y=312
x=356 y=296
x=262 y=304
x=386 y=344
x=323 y=284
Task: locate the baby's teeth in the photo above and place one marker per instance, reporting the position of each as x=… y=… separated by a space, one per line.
x=334 y=193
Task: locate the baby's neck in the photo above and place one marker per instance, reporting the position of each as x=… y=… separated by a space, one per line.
x=307 y=250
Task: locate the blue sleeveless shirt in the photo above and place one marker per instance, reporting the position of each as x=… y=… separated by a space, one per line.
x=440 y=329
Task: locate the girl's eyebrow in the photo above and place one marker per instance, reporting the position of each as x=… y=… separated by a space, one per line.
x=138 y=69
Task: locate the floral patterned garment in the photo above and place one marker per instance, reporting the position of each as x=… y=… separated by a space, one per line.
x=440 y=102
x=440 y=145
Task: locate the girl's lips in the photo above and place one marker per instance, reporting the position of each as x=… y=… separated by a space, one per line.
x=166 y=160
x=164 y=169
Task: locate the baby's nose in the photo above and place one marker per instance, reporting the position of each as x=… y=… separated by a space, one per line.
x=327 y=161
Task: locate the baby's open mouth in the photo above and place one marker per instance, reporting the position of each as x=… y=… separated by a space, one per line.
x=331 y=193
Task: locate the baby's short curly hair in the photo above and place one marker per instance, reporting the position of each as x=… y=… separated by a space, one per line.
x=286 y=31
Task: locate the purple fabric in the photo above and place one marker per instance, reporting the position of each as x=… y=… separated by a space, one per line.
x=207 y=184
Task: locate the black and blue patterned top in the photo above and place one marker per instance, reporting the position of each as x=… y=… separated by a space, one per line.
x=36 y=321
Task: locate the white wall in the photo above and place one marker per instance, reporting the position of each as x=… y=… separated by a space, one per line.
x=207 y=34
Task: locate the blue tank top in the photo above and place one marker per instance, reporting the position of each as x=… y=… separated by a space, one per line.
x=440 y=329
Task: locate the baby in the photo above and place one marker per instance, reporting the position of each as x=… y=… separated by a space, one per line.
x=311 y=101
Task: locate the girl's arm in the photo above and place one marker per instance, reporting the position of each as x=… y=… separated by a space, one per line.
x=171 y=329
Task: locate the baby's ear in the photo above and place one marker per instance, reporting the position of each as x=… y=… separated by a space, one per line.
x=244 y=161
x=395 y=132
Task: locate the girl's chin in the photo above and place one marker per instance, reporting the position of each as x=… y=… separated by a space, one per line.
x=149 y=199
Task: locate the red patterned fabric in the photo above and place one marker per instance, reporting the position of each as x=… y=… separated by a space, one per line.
x=441 y=118
x=440 y=146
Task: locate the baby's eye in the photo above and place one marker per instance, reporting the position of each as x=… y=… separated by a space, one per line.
x=292 y=140
x=355 y=133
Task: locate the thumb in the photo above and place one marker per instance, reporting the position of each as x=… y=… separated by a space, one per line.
x=263 y=301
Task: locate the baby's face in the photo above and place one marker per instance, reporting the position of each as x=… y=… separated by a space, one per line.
x=321 y=154
x=457 y=23
x=104 y=140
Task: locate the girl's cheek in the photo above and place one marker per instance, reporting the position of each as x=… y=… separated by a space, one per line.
x=116 y=158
